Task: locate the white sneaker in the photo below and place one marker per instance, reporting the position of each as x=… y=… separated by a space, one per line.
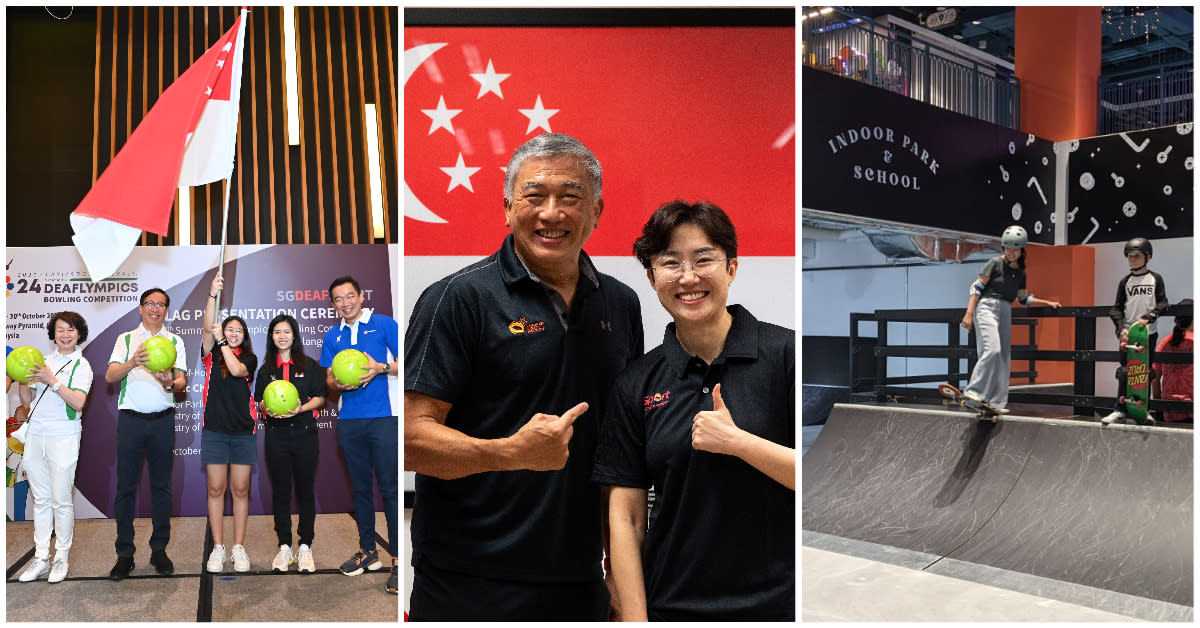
x=216 y=560
x=241 y=562
x=304 y=560
x=1116 y=415
x=973 y=396
x=58 y=570
x=283 y=560
x=35 y=570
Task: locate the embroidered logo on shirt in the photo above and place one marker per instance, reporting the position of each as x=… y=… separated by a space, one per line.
x=523 y=326
x=606 y=326
x=649 y=402
x=367 y=331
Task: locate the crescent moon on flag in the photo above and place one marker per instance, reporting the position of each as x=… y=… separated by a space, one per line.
x=413 y=207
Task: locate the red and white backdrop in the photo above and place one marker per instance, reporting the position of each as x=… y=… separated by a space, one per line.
x=698 y=113
x=671 y=112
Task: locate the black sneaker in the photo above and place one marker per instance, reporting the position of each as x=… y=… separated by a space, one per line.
x=393 y=580
x=162 y=564
x=120 y=571
x=361 y=561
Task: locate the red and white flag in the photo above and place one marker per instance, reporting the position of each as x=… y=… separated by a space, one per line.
x=693 y=113
x=187 y=138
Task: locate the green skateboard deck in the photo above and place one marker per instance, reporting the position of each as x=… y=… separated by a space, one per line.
x=1137 y=374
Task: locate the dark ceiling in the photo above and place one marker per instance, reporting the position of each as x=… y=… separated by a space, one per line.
x=1134 y=40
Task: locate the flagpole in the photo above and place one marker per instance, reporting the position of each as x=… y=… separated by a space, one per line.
x=225 y=213
x=224 y=237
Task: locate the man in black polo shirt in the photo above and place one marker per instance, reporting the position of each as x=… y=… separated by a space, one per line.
x=507 y=364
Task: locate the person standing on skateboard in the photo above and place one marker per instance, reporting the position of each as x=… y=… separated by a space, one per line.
x=1141 y=297
x=989 y=310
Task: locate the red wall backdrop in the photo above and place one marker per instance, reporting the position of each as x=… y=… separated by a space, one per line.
x=671 y=112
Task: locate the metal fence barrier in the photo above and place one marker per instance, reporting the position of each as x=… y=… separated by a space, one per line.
x=1084 y=355
x=1144 y=102
x=856 y=47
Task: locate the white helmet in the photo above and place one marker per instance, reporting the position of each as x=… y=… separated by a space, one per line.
x=1014 y=237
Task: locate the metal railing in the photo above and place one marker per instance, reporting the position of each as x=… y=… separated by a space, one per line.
x=856 y=47
x=1160 y=98
x=1084 y=356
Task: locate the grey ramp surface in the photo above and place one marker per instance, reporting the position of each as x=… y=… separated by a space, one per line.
x=1107 y=508
x=924 y=481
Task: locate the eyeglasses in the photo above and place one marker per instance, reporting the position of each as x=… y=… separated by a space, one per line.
x=155 y=305
x=234 y=330
x=672 y=270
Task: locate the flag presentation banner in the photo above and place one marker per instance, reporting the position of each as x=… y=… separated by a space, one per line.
x=261 y=281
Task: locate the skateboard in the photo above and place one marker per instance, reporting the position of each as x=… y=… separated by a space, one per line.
x=982 y=409
x=1137 y=374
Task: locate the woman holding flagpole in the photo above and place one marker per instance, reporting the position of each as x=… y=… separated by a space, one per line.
x=227 y=441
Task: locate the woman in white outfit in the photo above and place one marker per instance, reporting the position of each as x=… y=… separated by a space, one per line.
x=56 y=393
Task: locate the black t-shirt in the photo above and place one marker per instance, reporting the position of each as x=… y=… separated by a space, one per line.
x=500 y=346
x=309 y=383
x=1004 y=281
x=721 y=539
x=228 y=407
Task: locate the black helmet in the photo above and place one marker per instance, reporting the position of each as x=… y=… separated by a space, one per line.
x=1139 y=244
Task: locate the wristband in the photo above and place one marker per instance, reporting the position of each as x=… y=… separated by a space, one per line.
x=212 y=296
x=222 y=343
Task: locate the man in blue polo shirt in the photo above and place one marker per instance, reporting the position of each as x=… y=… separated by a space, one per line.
x=367 y=418
x=507 y=366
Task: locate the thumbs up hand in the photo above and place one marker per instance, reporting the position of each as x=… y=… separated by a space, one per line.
x=714 y=430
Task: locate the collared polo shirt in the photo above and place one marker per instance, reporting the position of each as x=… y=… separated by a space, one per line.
x=52 y=416
x=309 y=383
x=490 y=340
x=721 y=538
x=140 y=392
x=377 y=335
x=228 y=406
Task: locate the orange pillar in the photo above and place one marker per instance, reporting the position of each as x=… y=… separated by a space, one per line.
x=1058 y=63
x=1056 y=273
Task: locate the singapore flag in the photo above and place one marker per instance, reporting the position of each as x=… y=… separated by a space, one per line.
x=670 y=112
x=187 y=138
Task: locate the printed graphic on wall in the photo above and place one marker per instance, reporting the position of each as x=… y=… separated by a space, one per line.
x=875 y=154
x=261 y=282
x=1131 y=184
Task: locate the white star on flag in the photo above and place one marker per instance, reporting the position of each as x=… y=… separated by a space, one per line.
x=208 y=91
x=220 y=63
x=489 y=81
x=539 y=116
x=440 y=117
x=460 y=174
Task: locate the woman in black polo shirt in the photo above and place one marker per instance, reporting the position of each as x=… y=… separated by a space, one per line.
x=707 y=420
x=227 y=442
x=292 y=445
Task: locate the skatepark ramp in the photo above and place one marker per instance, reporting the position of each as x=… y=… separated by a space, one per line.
x=1072 y=501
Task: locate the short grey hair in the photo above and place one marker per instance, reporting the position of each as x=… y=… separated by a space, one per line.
x=549 y=145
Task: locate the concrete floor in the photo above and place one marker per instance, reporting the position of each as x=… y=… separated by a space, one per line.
x=837 y=587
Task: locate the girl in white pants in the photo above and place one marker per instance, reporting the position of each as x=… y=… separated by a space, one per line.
x=56 y=392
